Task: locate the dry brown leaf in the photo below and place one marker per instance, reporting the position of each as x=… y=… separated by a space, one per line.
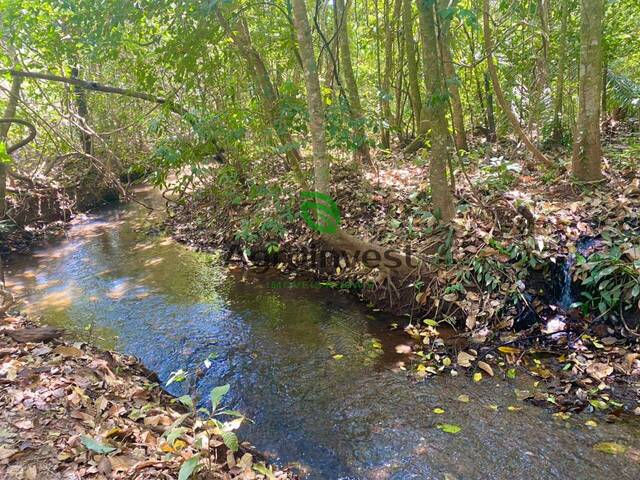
x=465 y=359
x=486 y=367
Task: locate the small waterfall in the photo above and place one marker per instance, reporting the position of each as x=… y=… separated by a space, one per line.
x=566 y=291
x=566 y=298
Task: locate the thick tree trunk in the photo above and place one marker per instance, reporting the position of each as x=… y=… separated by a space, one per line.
x=502 y=100
x=349 y=78
x=434 y=111
x=562 y=66
x=9 y=112
x=588 y=154
x=412 y=61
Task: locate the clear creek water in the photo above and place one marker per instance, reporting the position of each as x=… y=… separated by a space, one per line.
x=351 y=418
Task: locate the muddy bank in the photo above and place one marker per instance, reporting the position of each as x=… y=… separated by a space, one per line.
x=71 y=410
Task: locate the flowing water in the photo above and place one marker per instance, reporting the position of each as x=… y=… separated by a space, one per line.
x=354 y=417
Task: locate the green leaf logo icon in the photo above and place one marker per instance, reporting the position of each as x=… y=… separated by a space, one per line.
x=320 y=212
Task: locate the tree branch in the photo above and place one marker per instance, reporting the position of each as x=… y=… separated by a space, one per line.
x=27 y=139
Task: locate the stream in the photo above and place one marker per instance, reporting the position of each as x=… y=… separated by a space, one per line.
x=350 y=417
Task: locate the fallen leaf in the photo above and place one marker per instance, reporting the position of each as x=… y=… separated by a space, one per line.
x=611 y=448
x=404 y=349
x=599 y=371
x=465 y=359
x=96 y=446
x=449 y=427
x=486 y=367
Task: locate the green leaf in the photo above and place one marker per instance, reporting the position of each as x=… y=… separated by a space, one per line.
x=186 y=400
x=598 y=404
x=264 y=470
x=511 y=373
x=188 y=467
x=173 y=434
x=233 y=413
x=5 y=158
x=216 y=395
x=96 y=446
x=178 y=376
x=230 y=440
x=610 y=447
x=449 y=427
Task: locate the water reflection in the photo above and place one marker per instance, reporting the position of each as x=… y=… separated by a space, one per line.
x=309 y=366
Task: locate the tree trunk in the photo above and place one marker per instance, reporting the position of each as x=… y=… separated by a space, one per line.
x=389 y=28
x=460 y=135
x=588 y=154
x=80 y=99
x=434 y=111
x=502 y=101
x=491 y=116
x=412 y=63
x=241 y=37
x=9 y=112
x=339 y=240
x=562 y=66
x=348 y=75
x=314 y=98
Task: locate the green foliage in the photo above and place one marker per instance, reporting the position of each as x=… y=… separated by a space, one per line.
x=500 y=174
x=95 y=446
x=610 y=279
x=623 y=92
x=5 y=158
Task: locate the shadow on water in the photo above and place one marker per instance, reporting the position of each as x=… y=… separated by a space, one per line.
x=352 y=418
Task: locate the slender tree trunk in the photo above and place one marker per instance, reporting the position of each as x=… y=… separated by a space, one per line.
x=412 y=62
x=543 y=14
x=605 y=70
x=241 y=37
x=339 y=240
x=491 y=116
x=80 y=99
x=9 y=112
x=562 y=65
x=389 y=30
x=314 y=98
x=588 y=154
x=502 y=101
x=460 y=134
x=400 y=97
x=434 y=111
x=348 y=75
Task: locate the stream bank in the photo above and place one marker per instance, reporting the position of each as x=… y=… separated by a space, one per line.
x=323 y=379
x=71 y=410
x=507 y=273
